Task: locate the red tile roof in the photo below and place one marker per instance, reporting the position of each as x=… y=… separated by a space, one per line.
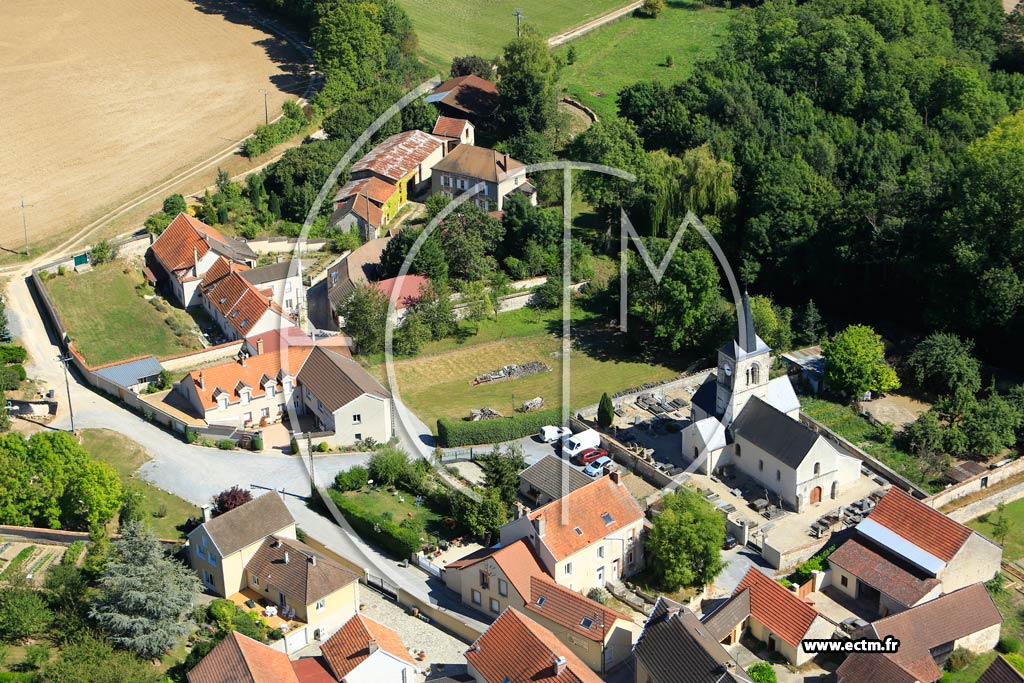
x=240 y=659
x=399 y=155
x=450 y=127
x=925 y=527
x=350 y=646
x=373 y=187
x=312 y=670
x=470 y=94
x=516 y=649
x=778 y=608
x=237 y=299
x=583 y=509
x=516 y=561
x=180 y=243
x=228 y=377
x=882 y=573
x=570 y=609
x=408 y=290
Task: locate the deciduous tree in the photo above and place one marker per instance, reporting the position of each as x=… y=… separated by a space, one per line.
x=855 y=363
x=944 y=364
x=526 y=89
x=365 y=314
x=683 y=547
x=229 y=499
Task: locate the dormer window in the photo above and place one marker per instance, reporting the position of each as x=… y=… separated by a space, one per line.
x=222 y=402
x=271 y=390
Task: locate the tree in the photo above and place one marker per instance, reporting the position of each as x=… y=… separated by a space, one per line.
x=527 y=96
x=434 y=306
x=88 y=659
x=811 y=326
x=855 y=363
x=925 y=437
x=1001 y=525
x=229 y=499
x=501 y=473
x=348 y=44
x=101 y=252
x=615 y=143
x=469 y=239
x=684 y=545
x=365 y=315
x=762 y=672
x=605 y=411
x=707 y=182
x=570 y=55
x=411 y=335
x=773 y=323
x=991 y=425
x=145 y=596
x=92 y=496
x=418 y=115
x=434 y=205
x=387 y=465
x=478 y=301
x=23 y=614
x=651 y=8
x=472 y=65
x=174 y=204
x=480 y=518
x=943 y=363
x=5 y=331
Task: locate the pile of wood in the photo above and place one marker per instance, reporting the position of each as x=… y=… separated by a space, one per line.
x=532 y=405
x=512 y=372
x=484 y=414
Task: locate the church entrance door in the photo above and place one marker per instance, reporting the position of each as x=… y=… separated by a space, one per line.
x=815 y=495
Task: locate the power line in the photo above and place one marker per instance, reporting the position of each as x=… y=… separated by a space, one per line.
x=518 y=14
x=24 y=221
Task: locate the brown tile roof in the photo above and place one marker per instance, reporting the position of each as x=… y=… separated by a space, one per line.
x=881 y=573
x=449 y=127
x=925 y=527
x=569 y=609
x=237 y=299
x=336 y=380
x=1001 y=671
x=583 y=509
x=873 y=668
x=350 y=645
x=240 y=659
x=779 y=609
x=516 y=649
x=942 y=620
x=312 y=670
x=357 y=268
x=359 y=205
x=554 y=476
x=248 y=523
x=373 y=187
x=297 y=575
x=469 y=94
x=256 y=374
x=179 y=244
x=728 y=615
x=516 y=561
x=408 y=291
x=478 y=162
x=398 y=156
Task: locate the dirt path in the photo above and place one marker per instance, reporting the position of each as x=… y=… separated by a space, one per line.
x=577 y=31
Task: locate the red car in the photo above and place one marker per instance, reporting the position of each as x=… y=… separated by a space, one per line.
x=589 y=455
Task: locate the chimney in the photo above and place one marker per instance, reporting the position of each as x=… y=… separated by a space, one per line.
x=259 y=346
x=372 y=645
x=195 y=261
x=202 y=384
x=504 y=162
x=540 y=524
x=207 y=513
x=559 y=665
x=312 y=560
x=242 y=355
x=615 y=477
x=286 y=557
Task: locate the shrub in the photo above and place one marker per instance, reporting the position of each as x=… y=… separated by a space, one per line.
x=762 y=672
x=353 y=479
x=451 y=433
x=323 y=447
x=222 y=612
x=36 y=655
x=12 y=353
x=960 y=659
x=249 y=624
x=191 y=435
x=275 y=634
x=388 y=465
x=225 y=444
x=229 y=499
x=802 y=574
x=73 y=553
x=402 y=543
x=293 y=446
x=598 y=594
x=102 y=252
x=1008 y=645
x=268 y=136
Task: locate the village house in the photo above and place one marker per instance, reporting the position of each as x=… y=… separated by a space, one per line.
x=454 y=131
x=280 y=282
x=771 y=613
x=366 y=651
x=493 y=579
x=466 y=97
x=743 y=422
x=587 y=538
x=186 y=250
x=250 y=555
x=549 y=479
x=239 y=308
x=516 y=649
x=927 y=634
x=360 y=267
x=673 y=635
x=906 y=553
x=499 y=174
x=240 y=659
x=367 y=204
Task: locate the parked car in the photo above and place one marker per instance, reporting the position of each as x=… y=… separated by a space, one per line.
x=589 y=455
x=595 y=468
x=575 y=444
x=730 y=543
x=851 y=625
x=552 y=434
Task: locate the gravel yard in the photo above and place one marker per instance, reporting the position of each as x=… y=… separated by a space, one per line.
x=440 y=646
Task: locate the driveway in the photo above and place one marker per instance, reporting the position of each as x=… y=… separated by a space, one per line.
x=737 y=562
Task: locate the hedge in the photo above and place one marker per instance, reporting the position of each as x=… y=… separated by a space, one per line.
x=12 y=353
x=72 y=554
x=451 y=433
x=282 y=130
x=17 y=677
x=398 y=541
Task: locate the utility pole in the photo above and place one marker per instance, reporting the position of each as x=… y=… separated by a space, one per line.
x=24 y=221
x=266 y=107
x=312 y=472
x=518 y=13
x=67 y=383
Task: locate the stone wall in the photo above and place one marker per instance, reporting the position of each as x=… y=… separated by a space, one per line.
x=977 y=483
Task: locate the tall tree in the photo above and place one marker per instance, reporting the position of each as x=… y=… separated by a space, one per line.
x=348 y=44
x=501 y=472
x=527 y=96
x=855 y=363
x=684 y=546
x=605 y=411
x=145 y=596
x=811 y=326
x=365 y=314
x=472 y=65
x=943 y=363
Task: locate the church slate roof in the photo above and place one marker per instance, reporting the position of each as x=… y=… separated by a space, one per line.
x=706 y=395
x=774 y=432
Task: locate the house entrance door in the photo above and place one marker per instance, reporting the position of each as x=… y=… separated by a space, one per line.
x=815 y=495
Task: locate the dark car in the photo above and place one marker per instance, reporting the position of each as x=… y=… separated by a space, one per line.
x=589 y=455
x=730 y=543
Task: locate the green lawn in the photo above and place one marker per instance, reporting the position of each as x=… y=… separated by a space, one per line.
x=1013 y=548
x=634 y=49
x=162 y=511
x=447 y=28
x=398 y=506
x=973 y=672
x=849 y=424
x=108 y=320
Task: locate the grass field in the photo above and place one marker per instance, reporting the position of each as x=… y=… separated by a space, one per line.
x=633 y=49
x=109 y=321
x=447 y=28
x=1013 y=549
x=438 y=382
x=162 y=511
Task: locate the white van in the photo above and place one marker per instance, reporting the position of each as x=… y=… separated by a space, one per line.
x=577 y=443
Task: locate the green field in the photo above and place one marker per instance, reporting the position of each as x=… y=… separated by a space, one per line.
x=447 y=28
x=1013 y=549
x=108 y=320
x=162 y=511
x=633 y=49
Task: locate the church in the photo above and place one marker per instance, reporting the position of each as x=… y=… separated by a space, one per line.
x=740 y=418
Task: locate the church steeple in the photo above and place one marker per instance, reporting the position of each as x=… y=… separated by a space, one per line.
x=743 y=366
x=746 y=337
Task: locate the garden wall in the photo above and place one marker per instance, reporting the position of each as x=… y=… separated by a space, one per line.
x=447 y=620
x=648 y=472
x=280 y=245
x=207 y=355
x=977 y=483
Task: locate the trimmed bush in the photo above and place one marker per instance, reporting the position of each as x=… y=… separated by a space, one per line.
x=398 y=541
x=74 y=552
x=12 y=353
x=762 y=672
x=452 y=433
x=225 y=444
x=959 y=660
x=353 y=479
x=1008 y=645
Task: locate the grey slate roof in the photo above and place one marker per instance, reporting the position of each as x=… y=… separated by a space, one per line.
x=232 y=247
x=706 y=395
x=779 y=435
x=248 y=523
x=673 y=636
x=336 y=380
x=554 y=477
x=133 y=372
x=728 y=615
x=272 y=273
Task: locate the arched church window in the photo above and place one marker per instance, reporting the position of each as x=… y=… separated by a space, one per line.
x=755 y=373
x=817 y=468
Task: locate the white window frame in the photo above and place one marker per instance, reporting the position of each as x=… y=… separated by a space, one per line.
x=357 y=419
x=600 y=551
x=476 y=597
x=321 y=604
x=495 y=606
x=503 y=587
x=568 y=568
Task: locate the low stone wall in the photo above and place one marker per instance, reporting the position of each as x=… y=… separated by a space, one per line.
x=620 y=454
x=581 y=107
x=58 y=536
x=208 y=355
x=977 y=483
x=280 y=245
x=987 y=504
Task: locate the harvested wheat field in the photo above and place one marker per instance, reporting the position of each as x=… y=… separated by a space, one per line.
x=103 y=99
